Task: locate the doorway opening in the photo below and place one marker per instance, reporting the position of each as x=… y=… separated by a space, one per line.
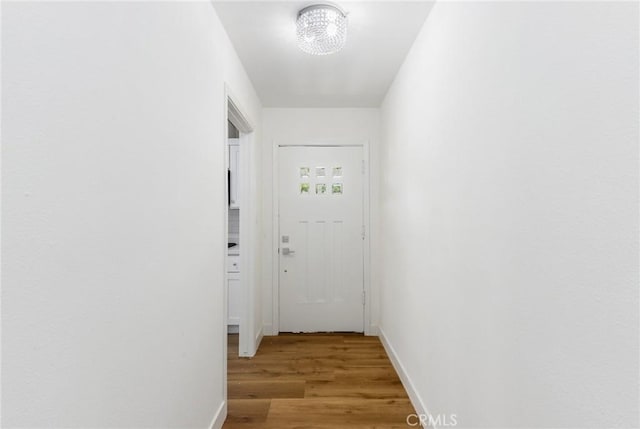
x=234 y=300
x=240 y=208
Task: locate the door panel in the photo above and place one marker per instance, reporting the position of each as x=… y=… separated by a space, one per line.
x=320 y=240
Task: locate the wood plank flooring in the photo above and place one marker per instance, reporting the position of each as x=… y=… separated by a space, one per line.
x=315 y=381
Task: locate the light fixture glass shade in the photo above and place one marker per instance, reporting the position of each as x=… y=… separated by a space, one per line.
x=321 y=29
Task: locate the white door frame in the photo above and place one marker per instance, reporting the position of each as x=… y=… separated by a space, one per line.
x=248 y=339
x=275 y=281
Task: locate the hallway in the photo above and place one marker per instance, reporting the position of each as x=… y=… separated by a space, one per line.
x=315 y=381
x=457 y=180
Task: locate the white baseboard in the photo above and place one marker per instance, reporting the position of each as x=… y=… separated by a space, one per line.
x=258 y=338
x=267 y=329
x=415 y=398
x=373 y=331
x=220 y=417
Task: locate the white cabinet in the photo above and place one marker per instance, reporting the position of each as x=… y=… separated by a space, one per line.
x=234 y=169
x=233 y=318
x=233 y=291
x=233 y=263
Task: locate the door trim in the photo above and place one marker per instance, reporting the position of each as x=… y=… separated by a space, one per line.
x=248 y=341
x=275 y=281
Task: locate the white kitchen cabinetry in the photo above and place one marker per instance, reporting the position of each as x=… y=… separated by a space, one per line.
x=233 y=292
x=234 y=168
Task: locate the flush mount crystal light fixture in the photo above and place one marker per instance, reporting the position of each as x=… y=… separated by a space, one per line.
x=321 y=29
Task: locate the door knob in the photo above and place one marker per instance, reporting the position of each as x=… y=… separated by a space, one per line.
x=287 y=251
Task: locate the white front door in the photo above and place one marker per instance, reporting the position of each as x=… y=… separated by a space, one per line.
x=321 y=193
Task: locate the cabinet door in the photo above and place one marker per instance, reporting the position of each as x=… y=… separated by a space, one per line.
x=234 y=166
x=233 y=295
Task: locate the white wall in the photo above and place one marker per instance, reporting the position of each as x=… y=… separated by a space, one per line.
x=113 y=212
x=510 y=214
x=313 y=126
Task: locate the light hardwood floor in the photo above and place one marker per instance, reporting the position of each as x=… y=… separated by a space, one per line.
x=319 y=381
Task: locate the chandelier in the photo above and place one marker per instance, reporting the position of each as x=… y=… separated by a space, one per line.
x=321 y=29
